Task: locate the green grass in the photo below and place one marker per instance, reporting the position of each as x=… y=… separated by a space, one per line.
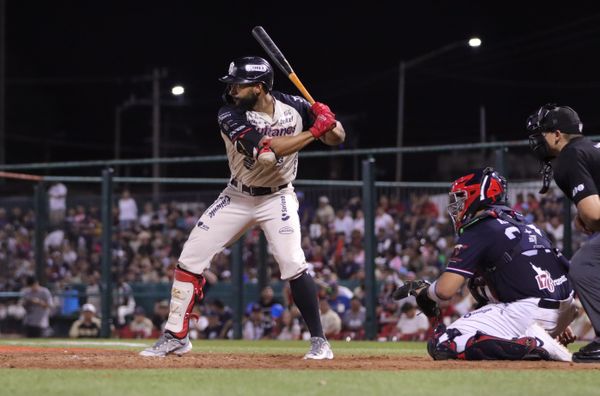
x=306 y=382
x=148 y=382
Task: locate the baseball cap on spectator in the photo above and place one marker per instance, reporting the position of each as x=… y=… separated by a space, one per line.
x=323 y=199
x=276 y=310
x=252 y=307
x=88 y=308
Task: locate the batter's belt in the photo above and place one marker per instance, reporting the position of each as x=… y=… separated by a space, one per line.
x=256 y=191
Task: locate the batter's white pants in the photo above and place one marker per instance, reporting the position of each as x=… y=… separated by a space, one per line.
x=510 y=320
x=232 y=214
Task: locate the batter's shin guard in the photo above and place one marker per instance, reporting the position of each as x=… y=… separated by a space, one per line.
x=186 y=287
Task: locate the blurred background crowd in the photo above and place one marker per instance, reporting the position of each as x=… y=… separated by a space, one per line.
x=414 y=239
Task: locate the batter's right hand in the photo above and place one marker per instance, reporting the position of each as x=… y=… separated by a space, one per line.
x=324 y=123
x=320 y=108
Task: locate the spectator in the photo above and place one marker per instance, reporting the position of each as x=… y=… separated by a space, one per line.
x=214 y=327
x=141 y=326
x=225 y=316
x=128 y=211
x=57 y=204
x=125 y=302
x=288 y=327
x=353 y=322
x=161 y=314
x=343 y=223
x=37 y=301
x=254 y=326
x=145 y=219
x=266 y=302
x=411 y=327
x=556 y=229
x=88 y=325
x=384 y=222
x=330 y=320
x=92 y=291
x=325 y=213
x=339 y=298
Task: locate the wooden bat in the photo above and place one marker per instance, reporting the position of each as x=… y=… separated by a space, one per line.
x=277 y=56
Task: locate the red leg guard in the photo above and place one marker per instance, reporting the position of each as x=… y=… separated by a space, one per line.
x=175 y=326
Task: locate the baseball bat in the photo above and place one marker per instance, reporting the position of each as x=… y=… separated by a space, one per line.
x=277 y=56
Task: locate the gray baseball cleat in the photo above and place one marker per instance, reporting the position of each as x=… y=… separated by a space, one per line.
x=319 y=349
x=166 y=344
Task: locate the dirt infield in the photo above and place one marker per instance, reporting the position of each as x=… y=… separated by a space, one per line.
x=87 y=358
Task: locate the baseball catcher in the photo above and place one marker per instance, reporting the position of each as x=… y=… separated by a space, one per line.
x=525 y=301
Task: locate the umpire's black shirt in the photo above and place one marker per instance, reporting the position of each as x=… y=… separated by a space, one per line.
x=577 y=169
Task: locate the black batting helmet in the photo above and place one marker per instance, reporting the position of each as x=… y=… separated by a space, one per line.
x=248 y=70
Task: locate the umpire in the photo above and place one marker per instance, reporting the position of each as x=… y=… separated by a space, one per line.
x=556 y=133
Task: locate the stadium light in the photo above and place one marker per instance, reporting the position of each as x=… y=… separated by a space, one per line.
x=177 y=90
x=404 y=65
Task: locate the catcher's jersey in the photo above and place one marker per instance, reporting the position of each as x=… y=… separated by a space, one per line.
x=516 y=259
x=291 y=116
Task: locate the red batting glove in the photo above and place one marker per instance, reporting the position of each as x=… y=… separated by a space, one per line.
x=320 y=108
x=324 y=123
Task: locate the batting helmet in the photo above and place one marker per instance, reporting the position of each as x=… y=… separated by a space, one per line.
x=550 y=118
x=248 y=70
x=473 y=192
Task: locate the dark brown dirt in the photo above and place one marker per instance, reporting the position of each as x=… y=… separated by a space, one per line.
x=89 y=358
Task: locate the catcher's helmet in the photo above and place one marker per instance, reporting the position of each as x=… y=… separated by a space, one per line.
x=550 y=118
x=248 y=70
x=477 y=190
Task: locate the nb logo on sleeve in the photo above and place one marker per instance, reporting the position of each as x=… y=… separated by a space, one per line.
x=577 y=189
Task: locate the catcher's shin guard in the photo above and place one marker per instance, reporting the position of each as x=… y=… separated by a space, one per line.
x=186 y=286
x=485 y=347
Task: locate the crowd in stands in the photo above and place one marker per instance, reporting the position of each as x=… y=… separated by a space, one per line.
x=414 y=239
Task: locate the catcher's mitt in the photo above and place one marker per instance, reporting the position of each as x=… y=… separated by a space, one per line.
x=418 y=288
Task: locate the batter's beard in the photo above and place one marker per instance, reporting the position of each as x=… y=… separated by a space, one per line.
x=247 y=103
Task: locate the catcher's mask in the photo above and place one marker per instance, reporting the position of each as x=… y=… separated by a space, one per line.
x=475 y=191
x=550 y=118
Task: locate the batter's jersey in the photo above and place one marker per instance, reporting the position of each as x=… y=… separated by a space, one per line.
x=515 y=257
x=291 y=116
x=577 y=169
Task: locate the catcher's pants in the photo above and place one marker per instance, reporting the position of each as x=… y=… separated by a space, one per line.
x=510 y=320
x=232 y=214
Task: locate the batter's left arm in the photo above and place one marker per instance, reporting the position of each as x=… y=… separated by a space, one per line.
x=286 y=145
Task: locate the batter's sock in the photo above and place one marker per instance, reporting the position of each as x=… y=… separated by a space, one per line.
x=304 y=293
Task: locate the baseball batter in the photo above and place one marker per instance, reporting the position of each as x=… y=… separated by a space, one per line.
x=263 y=131
x=514 y=272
